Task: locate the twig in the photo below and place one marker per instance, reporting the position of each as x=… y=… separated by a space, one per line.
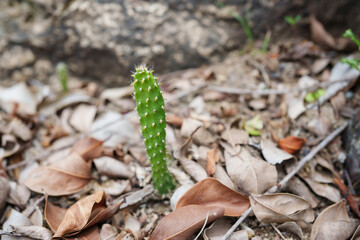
x=271 y=91
x=278 y=231
x=183 y=93
x=283 y=182
x=13 y=234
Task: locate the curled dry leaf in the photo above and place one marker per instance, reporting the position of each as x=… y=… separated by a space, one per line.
x=324 y=190
x=291 y=144
x=223 y=177
x=235 y=136
x=83 y=117
x=174 y=120
x=83 y=214
x=296 y=186
x=19 y=194
x=212 y=157
x=333 y=223
x=210 y=192
x=61 y=178
x=291 y=227
x=34 y=232
x=185 y=221
x=15 y=219
x=19 y=129
x=195 y=170
x=272 y=154
x=4 y=191
x=350 y=198
x=88 y=148
x=252 y=174
x=281 y=207
x=112 y=167
x=219 y=228
x=320 y=125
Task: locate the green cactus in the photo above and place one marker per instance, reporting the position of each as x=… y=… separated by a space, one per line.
x=151 y=110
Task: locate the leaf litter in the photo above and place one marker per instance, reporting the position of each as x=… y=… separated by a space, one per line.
x=83 y=152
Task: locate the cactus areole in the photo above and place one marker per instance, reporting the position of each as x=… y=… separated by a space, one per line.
x=151 y=110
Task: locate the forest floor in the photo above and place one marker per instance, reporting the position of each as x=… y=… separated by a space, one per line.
x=74 y=164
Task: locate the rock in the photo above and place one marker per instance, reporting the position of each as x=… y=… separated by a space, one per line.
x=103 y=39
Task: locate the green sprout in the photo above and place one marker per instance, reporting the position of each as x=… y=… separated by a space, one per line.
x=151 y=109
x=292 y=21
x=313 y=96
x=244 y=22
x=354 y=63
x=62 y=73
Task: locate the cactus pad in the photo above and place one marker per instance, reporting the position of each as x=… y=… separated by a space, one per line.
x=151 y=110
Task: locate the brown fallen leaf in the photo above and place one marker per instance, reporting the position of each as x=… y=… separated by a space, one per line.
x=333 y=223
x=281 y=207
x=83 y=117
x=298 y=187
x=350 y=198
x=112 y=167
x=61 y=178
x=320 y=125
x=174 y=120
x=250 y=173
x=83 y=214
x=88 y=148
x=291 y=227
x=210 y=192
x=291 y=144
x=324 y=190
x=4 y=191
x=235 y=136
x=219 y=228
x=212 y=157
x=320 y=36
x=185 y=221
x=272 y=154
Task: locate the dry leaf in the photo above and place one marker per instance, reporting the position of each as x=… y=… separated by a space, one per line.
x=356 y=235
x=223 y=177
x=83 y=117
x=218 y=229
x=15 y=219
x=62 y=178
x=88 y=148
x=116 y=93
x=324 y=190
x=320 y=36
x=291 y=227
x=19 y=194
x=212 y=157
x=4 y=191
x=80 y=216
x=108 y=232
x=252 y=174
x=296 y=186
x=202 y=136
x=291 y=144
x=34 y=232
x=350 y=198
x=185 y=221
x=112 y=167
x=19 y=129
x=295 y=107
x=210 y=192
x=195 y=170
x=257 y=104
x=281 y=207
x=19 y=96
x=235 y=136
x=319 y=65
x=272 y=154
x=320 y=125
x=174 y=120
x=338 y=101
x=333 y=223
x=117 y=133
x=179 y=192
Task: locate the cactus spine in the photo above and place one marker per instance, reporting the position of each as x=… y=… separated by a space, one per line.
x=151 y=110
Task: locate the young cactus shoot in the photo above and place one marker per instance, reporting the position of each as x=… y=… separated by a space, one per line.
x=151 y=110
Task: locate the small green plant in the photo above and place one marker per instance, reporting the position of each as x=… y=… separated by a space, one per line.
x=292 y=21
x=245 y=23
x=313 y=96
x=62 y=73
x=266 y=42
x=354 y=63
x=151 y=109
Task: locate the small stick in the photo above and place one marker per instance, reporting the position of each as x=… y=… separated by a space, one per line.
x=283 y=182
x=278 y=231
x=271 y=91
